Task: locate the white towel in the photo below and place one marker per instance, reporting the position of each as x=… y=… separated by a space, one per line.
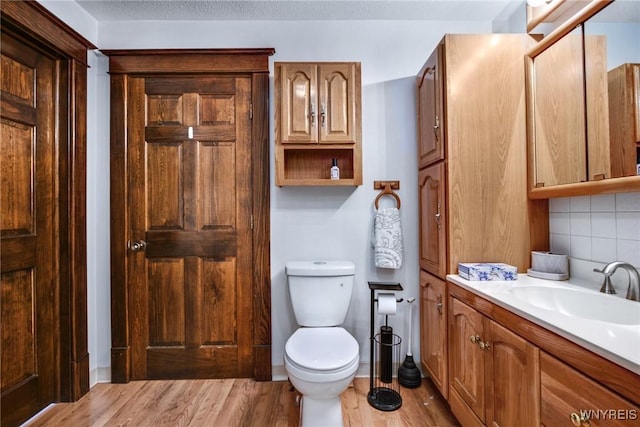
x=387 y=238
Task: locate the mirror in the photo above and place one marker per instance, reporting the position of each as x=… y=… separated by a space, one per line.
x=579 y=126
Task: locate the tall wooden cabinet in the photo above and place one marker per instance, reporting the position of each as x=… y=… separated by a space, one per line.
x=472 y=169
x=318 y=119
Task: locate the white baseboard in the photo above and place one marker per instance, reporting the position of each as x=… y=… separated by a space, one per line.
x=99 y=375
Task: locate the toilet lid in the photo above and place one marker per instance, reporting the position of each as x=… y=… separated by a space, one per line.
x=322 y=349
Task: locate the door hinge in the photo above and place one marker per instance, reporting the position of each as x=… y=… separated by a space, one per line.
x=252 y=221
x=251 y=111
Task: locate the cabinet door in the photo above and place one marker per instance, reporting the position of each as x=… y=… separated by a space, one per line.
x=430 y=126
x=571 y=397
x=513 y=387
x=337 y=108
x=433 y=251
x=433 y=327
x=466 y=363
x=298 y=115
x=624 y=119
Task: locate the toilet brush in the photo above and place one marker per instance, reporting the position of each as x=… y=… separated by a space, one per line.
x=408 y=373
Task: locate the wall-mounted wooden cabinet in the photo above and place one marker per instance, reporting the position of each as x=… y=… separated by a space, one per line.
x=318 y=119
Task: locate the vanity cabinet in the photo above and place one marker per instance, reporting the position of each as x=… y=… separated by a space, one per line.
x=472 y=177
x=318 y=118
x=433 y=326
x=493 y=372
x=624 y=119
x=505 y=370
x=571 y=398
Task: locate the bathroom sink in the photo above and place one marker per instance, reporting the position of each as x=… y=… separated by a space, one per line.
x=583 y=304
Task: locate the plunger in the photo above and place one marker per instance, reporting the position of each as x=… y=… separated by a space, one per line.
x=408 y=373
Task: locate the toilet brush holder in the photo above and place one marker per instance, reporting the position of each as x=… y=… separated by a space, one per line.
x=408 y=373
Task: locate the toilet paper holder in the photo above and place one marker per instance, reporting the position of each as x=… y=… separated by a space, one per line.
x=384 y=397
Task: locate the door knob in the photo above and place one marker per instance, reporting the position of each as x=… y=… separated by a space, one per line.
x=138 y=246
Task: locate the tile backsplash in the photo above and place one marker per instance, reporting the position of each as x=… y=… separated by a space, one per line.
x=600 y=228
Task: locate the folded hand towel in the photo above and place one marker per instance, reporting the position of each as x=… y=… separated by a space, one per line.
x=387 y=238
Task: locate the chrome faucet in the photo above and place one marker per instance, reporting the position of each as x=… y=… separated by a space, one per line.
x=633 y=291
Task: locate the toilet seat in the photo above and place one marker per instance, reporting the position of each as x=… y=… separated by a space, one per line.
x=321 y=354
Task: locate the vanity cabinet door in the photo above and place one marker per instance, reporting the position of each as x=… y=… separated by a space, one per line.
x=298 y=110
x=433 y=327
x=466 y=364
x=431 y=194
x=513 y=386
x=569 y=398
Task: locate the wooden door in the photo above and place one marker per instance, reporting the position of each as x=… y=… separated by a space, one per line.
x=337 y=102
x=433 y=327
x=190 y=252
x=513 y=381
x=28 y=218
x=433 y=225
x=298 y=113
x=466 y=362
x=430 y=119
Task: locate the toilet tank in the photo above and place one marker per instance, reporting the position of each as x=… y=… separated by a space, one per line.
x=320 y=291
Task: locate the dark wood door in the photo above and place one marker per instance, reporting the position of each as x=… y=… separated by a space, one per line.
x=190 y=244
x=28 y=218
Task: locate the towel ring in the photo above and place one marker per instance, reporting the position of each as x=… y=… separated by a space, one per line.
x=388 y=192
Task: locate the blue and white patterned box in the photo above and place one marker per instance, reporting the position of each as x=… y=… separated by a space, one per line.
x=487 y=271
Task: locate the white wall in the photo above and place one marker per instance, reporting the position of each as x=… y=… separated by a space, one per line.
x=313 y=223
x=306 y=223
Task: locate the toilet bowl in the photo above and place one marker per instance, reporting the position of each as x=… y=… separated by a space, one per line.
x=321 y=363
x=321 y=358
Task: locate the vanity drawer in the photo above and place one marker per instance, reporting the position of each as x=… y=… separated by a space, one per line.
x=567 y=396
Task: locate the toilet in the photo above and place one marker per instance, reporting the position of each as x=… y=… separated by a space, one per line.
x=321 y=358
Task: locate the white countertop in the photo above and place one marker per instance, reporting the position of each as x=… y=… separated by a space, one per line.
x=617 y=343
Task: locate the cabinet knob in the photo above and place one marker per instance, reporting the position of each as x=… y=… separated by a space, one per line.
x=475 y=339
x=485 y=345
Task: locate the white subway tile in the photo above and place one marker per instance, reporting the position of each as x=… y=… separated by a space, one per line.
x=580 y=224
x=560 y=223
x=628 y=202
x=560 y=243
x=581 y=247
x=629 y=251
x=603 y=224
x=628 y=225
x=581 y=204
x=562 y=204
x=603 y=203
x=603 y=249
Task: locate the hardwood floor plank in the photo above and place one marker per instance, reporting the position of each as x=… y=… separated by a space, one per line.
x=233 y=402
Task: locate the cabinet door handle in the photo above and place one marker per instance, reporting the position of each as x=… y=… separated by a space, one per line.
x=436 y=126
x=485 y=345
x=579 y=420
x=312 y=113
x=437 y=216
x=323 y=114
x=475 y=339
x=439 y=305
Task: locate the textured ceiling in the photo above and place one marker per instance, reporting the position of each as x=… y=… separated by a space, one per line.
x=287 y=10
